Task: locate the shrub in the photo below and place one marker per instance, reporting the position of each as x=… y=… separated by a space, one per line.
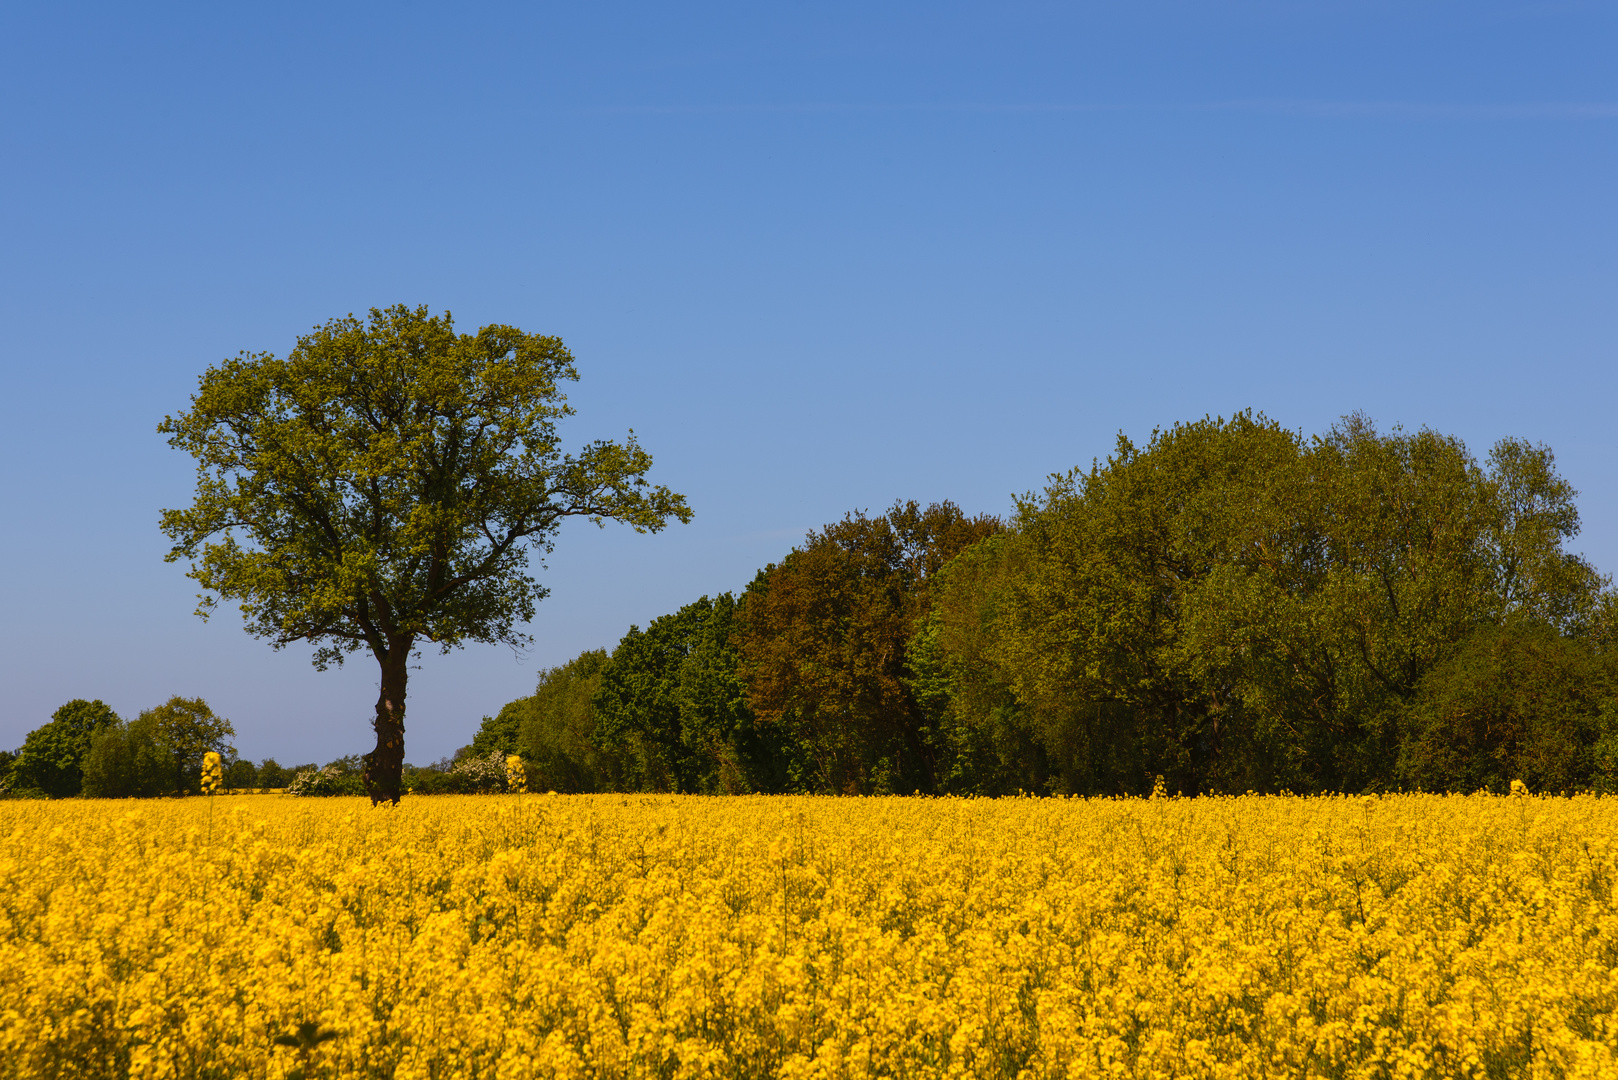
x=478 y=775
x=331 y=780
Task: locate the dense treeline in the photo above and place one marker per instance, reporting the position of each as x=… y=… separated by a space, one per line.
x=1230 y=607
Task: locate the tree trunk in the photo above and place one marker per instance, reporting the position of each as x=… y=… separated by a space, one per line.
x=384 y=766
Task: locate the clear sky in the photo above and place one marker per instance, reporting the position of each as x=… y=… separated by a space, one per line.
x=819 y=256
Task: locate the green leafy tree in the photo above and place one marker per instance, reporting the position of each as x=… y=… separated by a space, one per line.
x=553 y=730
x=271 y=774
x=187 y=729
x=1232 y=606
x=498 y=733
x=52 y=757
x=1372 y=558
x=132 y=759
x=671 y=708
x=383 y=485
x=556 y=732
x=1080 y=611
x=1516 y=701
x=241 y=774
x=987 y=742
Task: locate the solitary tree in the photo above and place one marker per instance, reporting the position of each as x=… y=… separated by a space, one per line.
x=382 y=486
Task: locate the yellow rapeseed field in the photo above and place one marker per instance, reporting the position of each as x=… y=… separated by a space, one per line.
x=656 y=936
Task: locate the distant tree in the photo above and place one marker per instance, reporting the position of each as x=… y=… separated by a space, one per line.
x=823 y=641
x=272 y=775
x=388 y=479
x=1517 y=701
x=131 y=759
x=241 y=774
x=187 y=728
x=987 y=741
x=52 y=757
x=671 y=707
x=1232 y=606
x=499 y=732
x=555 y=731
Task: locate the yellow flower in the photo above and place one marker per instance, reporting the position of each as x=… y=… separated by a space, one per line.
x=516 y=775
x=637 y=935
x=213 y=773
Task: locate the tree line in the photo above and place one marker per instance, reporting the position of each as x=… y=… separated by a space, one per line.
x=1230 y=607
x=86 y=749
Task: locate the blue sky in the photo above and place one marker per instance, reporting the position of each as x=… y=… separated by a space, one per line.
x=819 y=257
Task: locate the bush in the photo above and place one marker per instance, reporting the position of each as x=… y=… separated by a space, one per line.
x=480 y=775
x=331 y=780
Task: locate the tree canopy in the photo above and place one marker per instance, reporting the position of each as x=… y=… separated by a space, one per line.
x=385 y=484
x=158 y=752
x=1233 y=606
x=671 y=706
x=823 y=643
x=1229 y=606
x=52 y=757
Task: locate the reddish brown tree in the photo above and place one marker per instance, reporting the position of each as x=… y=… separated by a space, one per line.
x=822 y=642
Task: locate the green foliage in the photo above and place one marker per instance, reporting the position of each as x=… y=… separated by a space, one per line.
x=498 y=733
x=1230 y=607
x=1517 y=701
x=325 y=782
x=187 y=728
x=130 y=760
x=472 y=774
x=52 y=758
x=384 y=485
x=1236 y=607
x=672 y=711
x=157 y=753
x=272 y=775
x=1604 y=749
x=980 y=734
x=241 y=774
x=555 y=730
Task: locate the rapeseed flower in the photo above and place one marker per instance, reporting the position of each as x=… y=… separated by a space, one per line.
x=213 y=773
x=638 y=935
